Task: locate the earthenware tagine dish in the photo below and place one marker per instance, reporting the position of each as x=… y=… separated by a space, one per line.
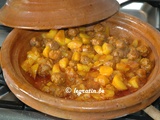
x=55 y=14
x=14 y=51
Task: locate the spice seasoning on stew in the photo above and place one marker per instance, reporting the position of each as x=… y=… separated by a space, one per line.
x=87 y=58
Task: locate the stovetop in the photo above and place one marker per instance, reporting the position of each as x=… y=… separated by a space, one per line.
x=13 y=109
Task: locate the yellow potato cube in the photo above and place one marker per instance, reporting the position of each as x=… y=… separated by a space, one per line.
x=97 y=64
x=34 y=69
x=85 y=38
x=82 y=67
x=83 y=35
x=96 y=96
x=118 y=83
x=76 y=56
x=27 y=64
x=81 y=73
x=98 y=49
x=96 y=57
x=122 y=67
x=107 y=48
x=33 y=54
x=60 y=37
x=67 y=40
x=56 y=68
x=108 y=94
x=63 y=62
x=88 y=54
x=106 y=70
x=124 y=60
x=51 y=34
x=134 y=82
x=135 y=43
x=74 y=44
x=46 y=51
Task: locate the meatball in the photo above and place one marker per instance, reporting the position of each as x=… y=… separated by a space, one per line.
x=146 y=64
x=110 y=63
x=87 y=48
x=112 y=40
x=91 y=33
x=44 y=70
x=141 y=73
x=60 y=92
x=55 y=55
x=35 y=42
x=85 y=59
x=96 y=41
x=120 y=44
x=58 y=78
x=98 y=28
x=72 y=32
x=53 y=45
x=144 y=50
x=73 y=64
x=118 y=53
x=133 y=54
x=100 y=36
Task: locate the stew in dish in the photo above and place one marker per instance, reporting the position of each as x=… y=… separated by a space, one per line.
x=87 y=63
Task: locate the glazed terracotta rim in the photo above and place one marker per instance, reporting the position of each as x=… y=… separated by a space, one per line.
x=14 y=81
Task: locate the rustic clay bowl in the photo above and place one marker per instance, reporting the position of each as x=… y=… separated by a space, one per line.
x=55 y=14
x=14 y=51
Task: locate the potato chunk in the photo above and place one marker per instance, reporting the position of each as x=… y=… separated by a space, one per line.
x=134 y=82
x=118 y=83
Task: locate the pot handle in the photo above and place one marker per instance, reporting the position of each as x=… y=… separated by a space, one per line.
x=152 y=112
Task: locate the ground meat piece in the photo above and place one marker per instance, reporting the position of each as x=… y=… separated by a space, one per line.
x=112 y=40
x=98 y=28
x=87 y=48
x=72 y=32
x=67 y=54
x=133 y=54
x=141 y=73
x=63 y=48
x=91 y=33
x=73 y=64
x=35 y=42
x=60 y=92
x=44 y=70
x=118 y=53
x=85 y=59
x=133 y=64
x=55 y=55
x=53 y=45
x=91 y=84
x=58 y=78
x=146 y=64
x=96 y=41
x=110 y=63
x=45 y=40
x=70 y=71
x=120 y=44
x=144 y=50
x=100 y=36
